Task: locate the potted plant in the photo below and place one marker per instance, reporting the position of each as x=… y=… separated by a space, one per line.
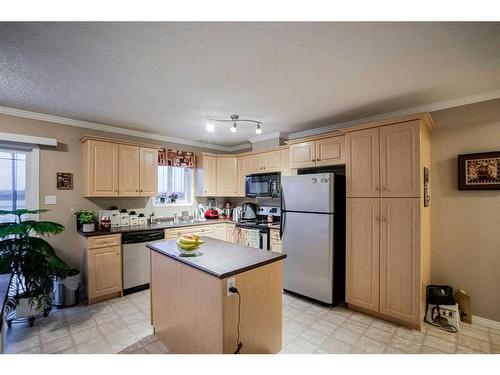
x=173 y=197
x=31 y=260
x=86 y=220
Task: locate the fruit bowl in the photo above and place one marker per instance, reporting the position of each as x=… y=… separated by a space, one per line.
x=188 y=244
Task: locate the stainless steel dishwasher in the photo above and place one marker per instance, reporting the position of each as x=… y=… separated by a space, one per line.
x=136 y=260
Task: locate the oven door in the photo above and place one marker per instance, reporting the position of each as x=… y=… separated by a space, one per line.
x=257 y=186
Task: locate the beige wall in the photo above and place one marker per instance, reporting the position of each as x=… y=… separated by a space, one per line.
x=66 y=157
x=466 y=224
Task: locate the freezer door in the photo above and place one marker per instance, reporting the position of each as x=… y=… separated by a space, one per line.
x=308 y=243
x=308 y=192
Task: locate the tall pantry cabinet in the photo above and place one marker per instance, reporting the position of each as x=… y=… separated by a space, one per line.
x=388 y=227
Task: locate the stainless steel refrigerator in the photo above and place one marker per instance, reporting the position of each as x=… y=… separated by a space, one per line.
x=313 y=267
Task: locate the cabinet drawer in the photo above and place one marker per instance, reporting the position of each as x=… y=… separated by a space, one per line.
x=276 y=246
x=202 y=230
x=275 y=234
x=104 y=241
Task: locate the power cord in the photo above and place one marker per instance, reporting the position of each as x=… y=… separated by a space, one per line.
x=239 y=345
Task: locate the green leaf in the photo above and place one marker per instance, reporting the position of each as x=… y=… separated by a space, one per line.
x=23 y=211
x=28 y=227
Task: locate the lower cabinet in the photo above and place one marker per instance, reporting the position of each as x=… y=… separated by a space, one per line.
x=104 y=268
x=275 y=243
x=242 y=236
x=220 y=232
x=387 y=260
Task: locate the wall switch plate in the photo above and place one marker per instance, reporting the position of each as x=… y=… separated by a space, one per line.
x=50 y=199
x=231 y=282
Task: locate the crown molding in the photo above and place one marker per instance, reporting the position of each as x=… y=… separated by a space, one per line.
x=266 y=137
x=456 y=102
x=111 y=129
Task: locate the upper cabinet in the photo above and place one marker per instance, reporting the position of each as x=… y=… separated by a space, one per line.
x=263 y=162
x=111 y=169
x=206 y=176
x=318 y=153
x=148 y=171
x=241 y=173
x=227 y=173
x=100 y=169
x=362 y=167
x=386 y=161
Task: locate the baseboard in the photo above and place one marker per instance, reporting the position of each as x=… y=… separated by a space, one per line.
x=485 y=322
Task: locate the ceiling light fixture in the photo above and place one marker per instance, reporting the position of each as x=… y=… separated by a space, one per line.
x=210 y=126
x=236 y=120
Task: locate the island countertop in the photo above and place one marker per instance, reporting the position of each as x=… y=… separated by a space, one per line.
x=219 y=258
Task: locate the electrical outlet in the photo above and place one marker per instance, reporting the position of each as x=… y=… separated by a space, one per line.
x=231 y=282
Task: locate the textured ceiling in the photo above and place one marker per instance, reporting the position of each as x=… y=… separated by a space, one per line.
x=166 y=77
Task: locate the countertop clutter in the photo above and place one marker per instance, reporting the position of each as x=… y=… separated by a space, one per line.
x=160 y=225
x=214 y=258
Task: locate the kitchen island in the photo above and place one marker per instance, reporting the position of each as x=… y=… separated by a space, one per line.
x=192 y=310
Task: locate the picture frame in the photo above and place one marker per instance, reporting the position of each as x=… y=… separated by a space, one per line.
x=479 y=171
x=64 y=181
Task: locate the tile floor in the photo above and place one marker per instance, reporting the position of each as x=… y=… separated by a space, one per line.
x=310 y=328
x=106 y=327
x=122 y=326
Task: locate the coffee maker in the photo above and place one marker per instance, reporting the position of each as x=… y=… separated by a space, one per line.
x=248 y=211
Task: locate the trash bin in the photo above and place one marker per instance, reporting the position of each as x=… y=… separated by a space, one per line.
x=67 y=290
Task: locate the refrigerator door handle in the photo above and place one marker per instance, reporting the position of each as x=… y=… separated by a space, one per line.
x=282 y=212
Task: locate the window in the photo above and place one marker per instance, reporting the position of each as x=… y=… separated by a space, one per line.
x=174 y=180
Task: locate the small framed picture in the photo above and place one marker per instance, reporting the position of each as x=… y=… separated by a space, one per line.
x=64 y=181
x=479 y=171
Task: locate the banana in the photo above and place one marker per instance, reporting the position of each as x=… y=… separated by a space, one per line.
x=190 y=240
x=187 y=247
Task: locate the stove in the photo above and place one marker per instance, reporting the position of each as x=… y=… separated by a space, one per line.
x=258 y=229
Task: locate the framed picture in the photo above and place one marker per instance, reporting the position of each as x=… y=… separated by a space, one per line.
x=64 y=181
x=479 y=171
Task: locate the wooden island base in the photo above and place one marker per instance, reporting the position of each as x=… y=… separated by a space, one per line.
x=192 y=313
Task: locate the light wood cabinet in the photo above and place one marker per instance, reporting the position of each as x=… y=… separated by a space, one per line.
x=129 y=178
x=201 y=230
x=148 y=172
x=400 y=258
x=270 y=161
x=285 y=163
x=303 y=155
x=100 y=169
x=242 y=236
x=206 y=173
x=362 y=166
x=241 y=174
x=399 y=160
x=385 y=162
x=227 y=176
x=388 y=241
x=103 y=268
x=275 y=243
x=254 y=164
x=263 y=162
x=362 y=255
x=220 y=232
x=317 y=153
x=112 y=169
x=330 y=151
x=230 y=233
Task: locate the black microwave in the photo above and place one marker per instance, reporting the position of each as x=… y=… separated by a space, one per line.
x=262 y=185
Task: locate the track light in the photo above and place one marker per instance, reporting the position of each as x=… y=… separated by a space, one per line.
x=236 y=120
x=210 y=126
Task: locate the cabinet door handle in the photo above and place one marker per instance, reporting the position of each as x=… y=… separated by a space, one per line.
x=382 y=218
x=376 y=188
x=381 y=188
